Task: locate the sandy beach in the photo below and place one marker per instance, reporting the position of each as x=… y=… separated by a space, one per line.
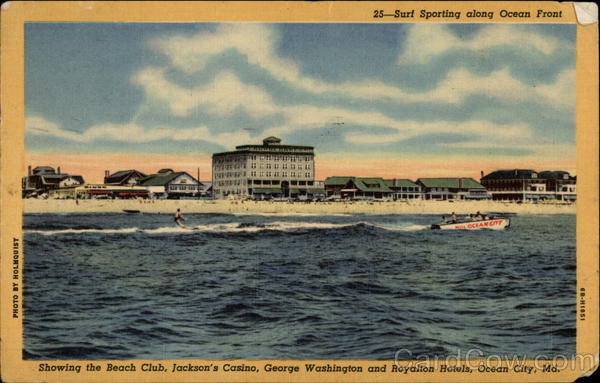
x=286 y=208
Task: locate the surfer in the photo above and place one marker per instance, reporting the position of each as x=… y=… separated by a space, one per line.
x=179 y=218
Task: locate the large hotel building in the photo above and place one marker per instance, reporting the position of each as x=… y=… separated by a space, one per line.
x=267 y=170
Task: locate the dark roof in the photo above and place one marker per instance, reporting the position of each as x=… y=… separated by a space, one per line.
x=205 y=186
x=43 y=169
x=122 y=175
x=451 y=183
x=56 y=178
x=271 y=140
x=555 y=175
x=510 y=174
x=166 y=170
x=263 y=148
x=161 y=179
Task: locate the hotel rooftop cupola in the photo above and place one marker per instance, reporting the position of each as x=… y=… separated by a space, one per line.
x=269 y=141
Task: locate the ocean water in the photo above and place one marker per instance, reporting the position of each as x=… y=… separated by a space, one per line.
x=117 y=286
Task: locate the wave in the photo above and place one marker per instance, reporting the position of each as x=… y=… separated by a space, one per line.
x=287 y=214
x=234 y=227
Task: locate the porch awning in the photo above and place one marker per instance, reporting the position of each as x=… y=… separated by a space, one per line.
x=266 y=190
x=133 y=193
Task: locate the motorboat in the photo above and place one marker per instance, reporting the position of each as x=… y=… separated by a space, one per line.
x=489 y=222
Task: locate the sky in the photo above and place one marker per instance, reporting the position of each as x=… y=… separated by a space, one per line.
x=391 y=100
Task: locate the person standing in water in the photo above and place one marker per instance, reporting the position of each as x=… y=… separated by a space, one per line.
x=179 y=218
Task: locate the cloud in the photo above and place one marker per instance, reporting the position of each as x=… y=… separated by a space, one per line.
x=484 y=131
x=561 y=91
x=227 y=92
x=133 y=133
x=258 y=43
x=460 y=83
x=40 y=126
x=224 y=94
x=427 y=40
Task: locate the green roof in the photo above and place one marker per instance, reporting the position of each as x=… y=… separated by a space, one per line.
x=365 y=184
x=451 y=183
x=330 y=181
x=372 y=185
x=159 y=179
x=403 y=182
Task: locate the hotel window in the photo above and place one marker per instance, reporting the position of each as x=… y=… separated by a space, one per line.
x=276 y=174
x=284 y=166
x=253 y=174
x=268 y=166
x=254 y=165
x=268 y=174
x=284 y=174
x=276 y=166
x=293 y=174
x=293 y=166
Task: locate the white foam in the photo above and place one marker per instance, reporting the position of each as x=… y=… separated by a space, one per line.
x=234 y=227
x=79 y=231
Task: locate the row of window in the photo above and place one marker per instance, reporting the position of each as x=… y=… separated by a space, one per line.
x=278 y=182
x=283 y=166
x=262 y=166
x=230 y=183
x=183 y=187
x=279 y=174
x=230 y=175
x=239 y=160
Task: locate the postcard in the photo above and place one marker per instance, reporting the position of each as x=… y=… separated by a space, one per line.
x=299 y=191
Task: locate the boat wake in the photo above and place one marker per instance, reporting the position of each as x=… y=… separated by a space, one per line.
x=235 y=227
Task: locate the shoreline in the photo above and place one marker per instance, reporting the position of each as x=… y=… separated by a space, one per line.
x=286 y=208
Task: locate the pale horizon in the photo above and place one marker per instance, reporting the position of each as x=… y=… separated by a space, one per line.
x=92 y=167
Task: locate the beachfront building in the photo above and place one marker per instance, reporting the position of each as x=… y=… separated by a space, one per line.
x=529 y=185
x=205 y=189
x=100 y=191
x=452 y=189
x=404 y=189
x=123 y=177
x=42 y=179
x=561 y=183
x=270 y=170
x=348 y=187
x=170 y=184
